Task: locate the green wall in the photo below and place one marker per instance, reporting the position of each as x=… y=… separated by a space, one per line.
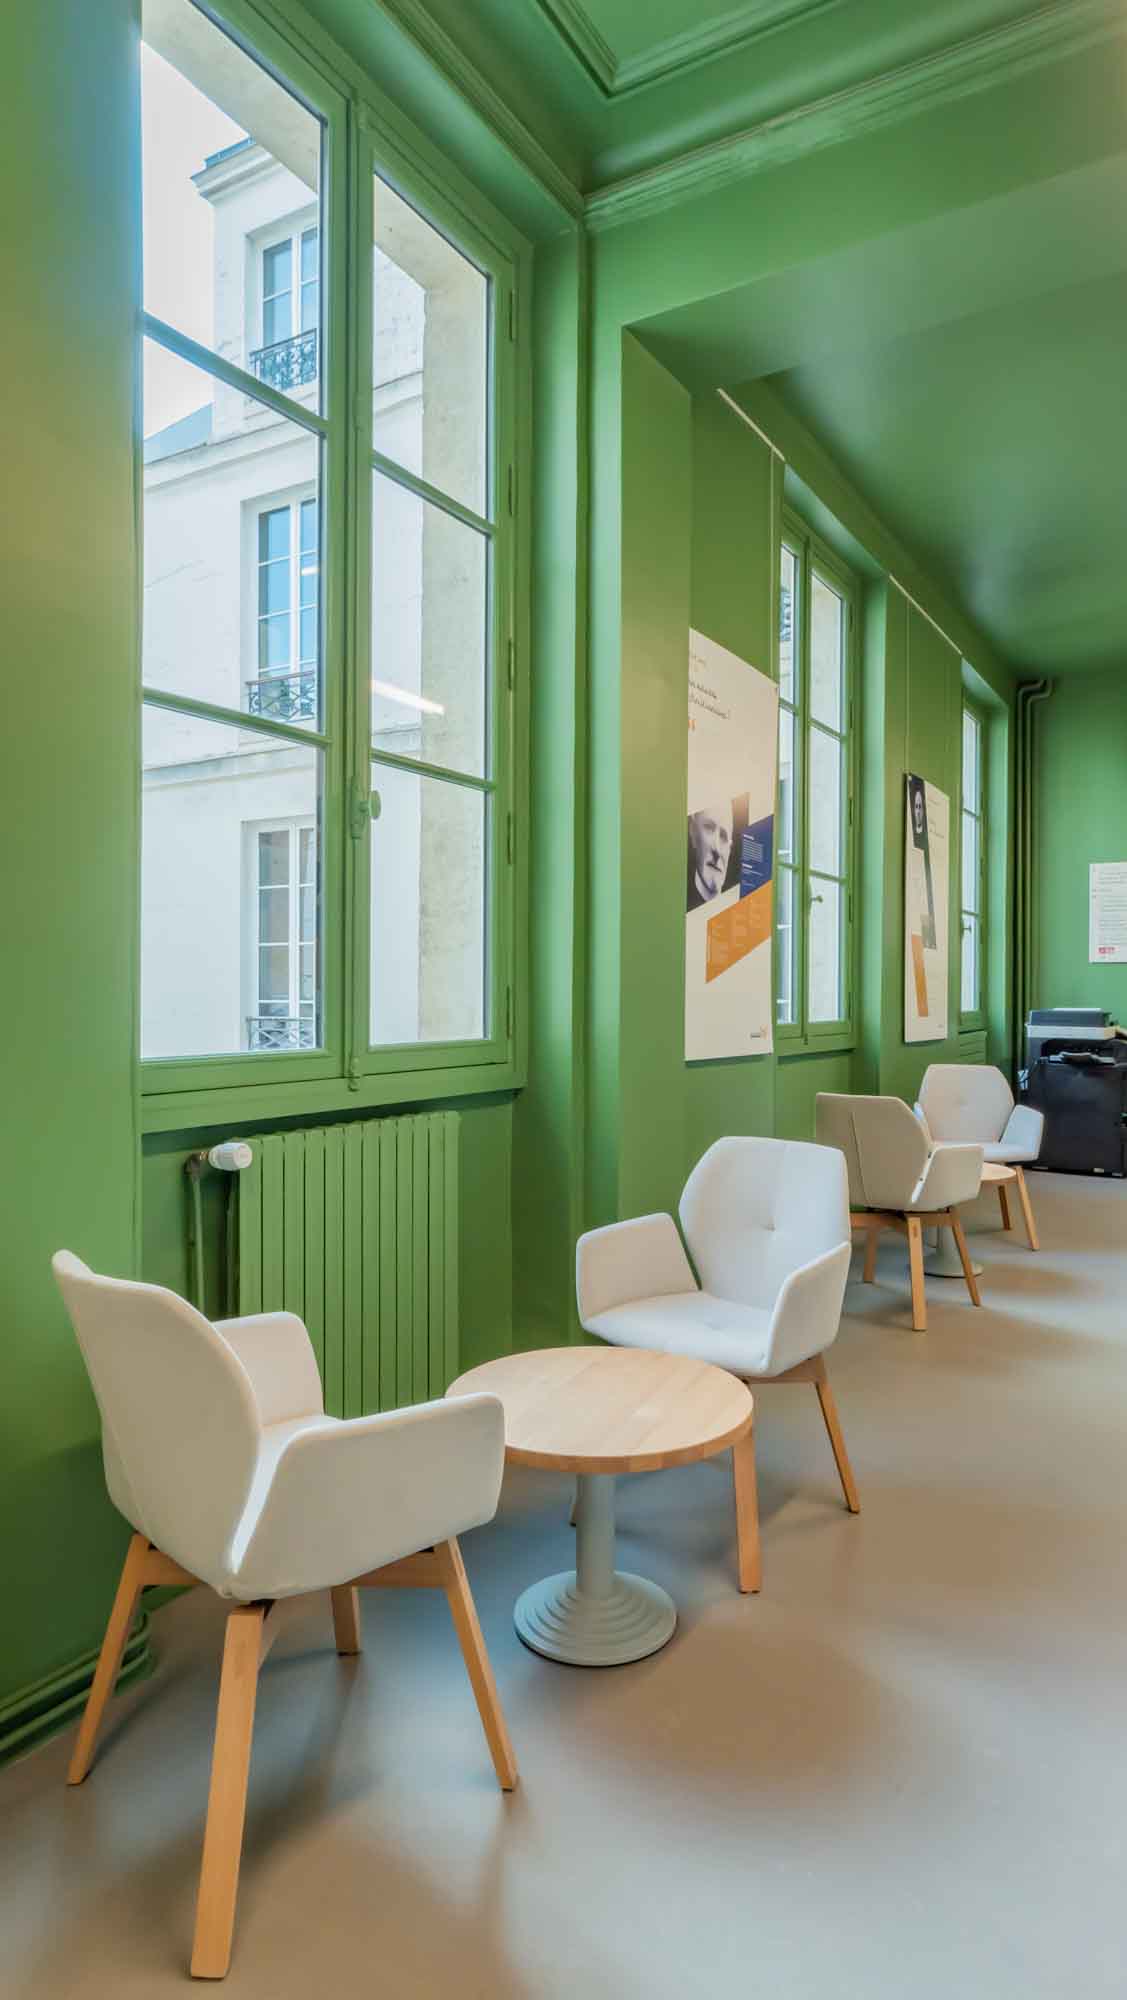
x=1080 y=816
x=69 y=785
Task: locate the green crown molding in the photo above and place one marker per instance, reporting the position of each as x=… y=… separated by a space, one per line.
x=443 y=51
x=1054 y=32
x=667 y=58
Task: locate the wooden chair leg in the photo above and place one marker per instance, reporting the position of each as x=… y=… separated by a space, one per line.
x=870 y=1271
x=1004 y=1205
x=462 y=1610
x=747 y=1512
x=346 y=1618
x=1027 y=1209
x=109 y=1659
x=227 y=1797
x=916 y=1266
x=837 y=1442
x=964 y=1257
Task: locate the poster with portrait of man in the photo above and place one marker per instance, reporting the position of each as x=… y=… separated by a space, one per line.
x=926 y=838
x=729 y=855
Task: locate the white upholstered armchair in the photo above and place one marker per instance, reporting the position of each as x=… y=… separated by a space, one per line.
x=218 y=1452
x=898 y=1179
x=766 y=1222
x=961 y=1101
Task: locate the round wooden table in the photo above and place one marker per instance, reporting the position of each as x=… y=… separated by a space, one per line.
x=944 y=1259
x=597 y=1412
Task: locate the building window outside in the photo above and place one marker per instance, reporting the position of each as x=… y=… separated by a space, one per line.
x=285 y=686
x=284 y=900
x=972 y=872
x=287 y=358
x=814 y=837
x=274 y=557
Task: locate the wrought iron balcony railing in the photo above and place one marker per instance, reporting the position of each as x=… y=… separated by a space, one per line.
x=280 y=1031
x=287 y=364
x=284 y=697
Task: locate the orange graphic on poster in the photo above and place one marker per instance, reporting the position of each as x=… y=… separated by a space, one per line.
x=737 y=930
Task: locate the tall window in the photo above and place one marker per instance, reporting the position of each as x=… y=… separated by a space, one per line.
x=328 y=860
x=814 y=861
x=282 y=900
x=973 y=872
x=288 y=568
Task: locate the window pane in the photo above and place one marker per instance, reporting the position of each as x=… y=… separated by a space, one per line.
x=430 y=353
x=429 y=610
x=971 y=774
x=826 y=759
x=788 y=780
x=219 y=611
x=968 y=993
x=971 y=837
x=215 y=894
x=230 y=156
x=785 y=949
x=428 y=960
x=788 y=624
x=827 y=654
x=824 y=967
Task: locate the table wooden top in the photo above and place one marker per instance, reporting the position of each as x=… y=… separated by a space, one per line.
x=994 y=1173
x=611 y=1409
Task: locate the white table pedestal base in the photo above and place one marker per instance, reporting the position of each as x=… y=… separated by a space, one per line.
x=944 y=1261
x=595 y=1615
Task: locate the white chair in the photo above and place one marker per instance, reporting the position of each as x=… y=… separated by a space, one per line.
x=974 y=1101
x=899 y=1180
x=767 y=1226
x=218 y=1452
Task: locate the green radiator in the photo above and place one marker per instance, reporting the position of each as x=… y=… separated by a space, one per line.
x=355 y=1228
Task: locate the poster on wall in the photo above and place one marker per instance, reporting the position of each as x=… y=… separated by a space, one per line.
x=733 y=730
x=1107 y=913
x=926 y=879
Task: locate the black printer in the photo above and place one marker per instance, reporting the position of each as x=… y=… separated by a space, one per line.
x=1076 y=1073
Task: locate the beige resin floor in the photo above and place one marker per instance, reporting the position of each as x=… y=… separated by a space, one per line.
x=899 y=1772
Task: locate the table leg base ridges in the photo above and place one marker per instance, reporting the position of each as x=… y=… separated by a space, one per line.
x=635 y=1618
x=595 y=1615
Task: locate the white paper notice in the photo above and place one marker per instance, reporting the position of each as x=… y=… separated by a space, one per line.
x=1107 y=913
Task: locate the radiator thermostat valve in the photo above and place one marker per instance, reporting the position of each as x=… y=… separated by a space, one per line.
x=231 y=1157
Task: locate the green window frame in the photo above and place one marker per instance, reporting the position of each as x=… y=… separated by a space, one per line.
x=972 y=869
x=815 y=845
x=364 y=138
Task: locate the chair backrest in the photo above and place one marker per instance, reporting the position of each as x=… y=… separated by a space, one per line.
x=969 y=1101
x=753 y=1210
x=885 y=1146
x=180 y=1429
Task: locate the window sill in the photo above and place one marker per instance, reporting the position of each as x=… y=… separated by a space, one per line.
x=228 y=1105
x=840 y=1043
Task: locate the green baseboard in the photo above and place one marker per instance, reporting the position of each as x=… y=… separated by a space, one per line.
x=33 y=1713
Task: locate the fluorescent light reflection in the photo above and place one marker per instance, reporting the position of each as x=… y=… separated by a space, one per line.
x=408 y=700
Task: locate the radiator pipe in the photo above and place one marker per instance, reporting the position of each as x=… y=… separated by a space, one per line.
x=193 y=1167
x=230 y=1158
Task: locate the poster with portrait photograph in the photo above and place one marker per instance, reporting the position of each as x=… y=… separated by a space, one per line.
x=927 y=837
x=730 y=841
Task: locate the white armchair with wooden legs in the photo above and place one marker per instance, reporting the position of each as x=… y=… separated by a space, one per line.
x=766 y=1222
x=217 y=1450
x=973 y=1101
x=899 y=1180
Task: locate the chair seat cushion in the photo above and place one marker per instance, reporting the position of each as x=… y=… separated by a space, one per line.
x=1009 y=1156
x=710 y=1329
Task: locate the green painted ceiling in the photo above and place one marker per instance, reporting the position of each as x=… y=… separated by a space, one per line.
x=963 y=358
x=612 y=87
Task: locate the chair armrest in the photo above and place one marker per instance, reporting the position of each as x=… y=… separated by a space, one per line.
x=1024 y=1129
x=277 y=1353
x=808 y=1310
x=953 y=1174
x=919 y=1111
x=640 y=1259
x=348 y=1497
